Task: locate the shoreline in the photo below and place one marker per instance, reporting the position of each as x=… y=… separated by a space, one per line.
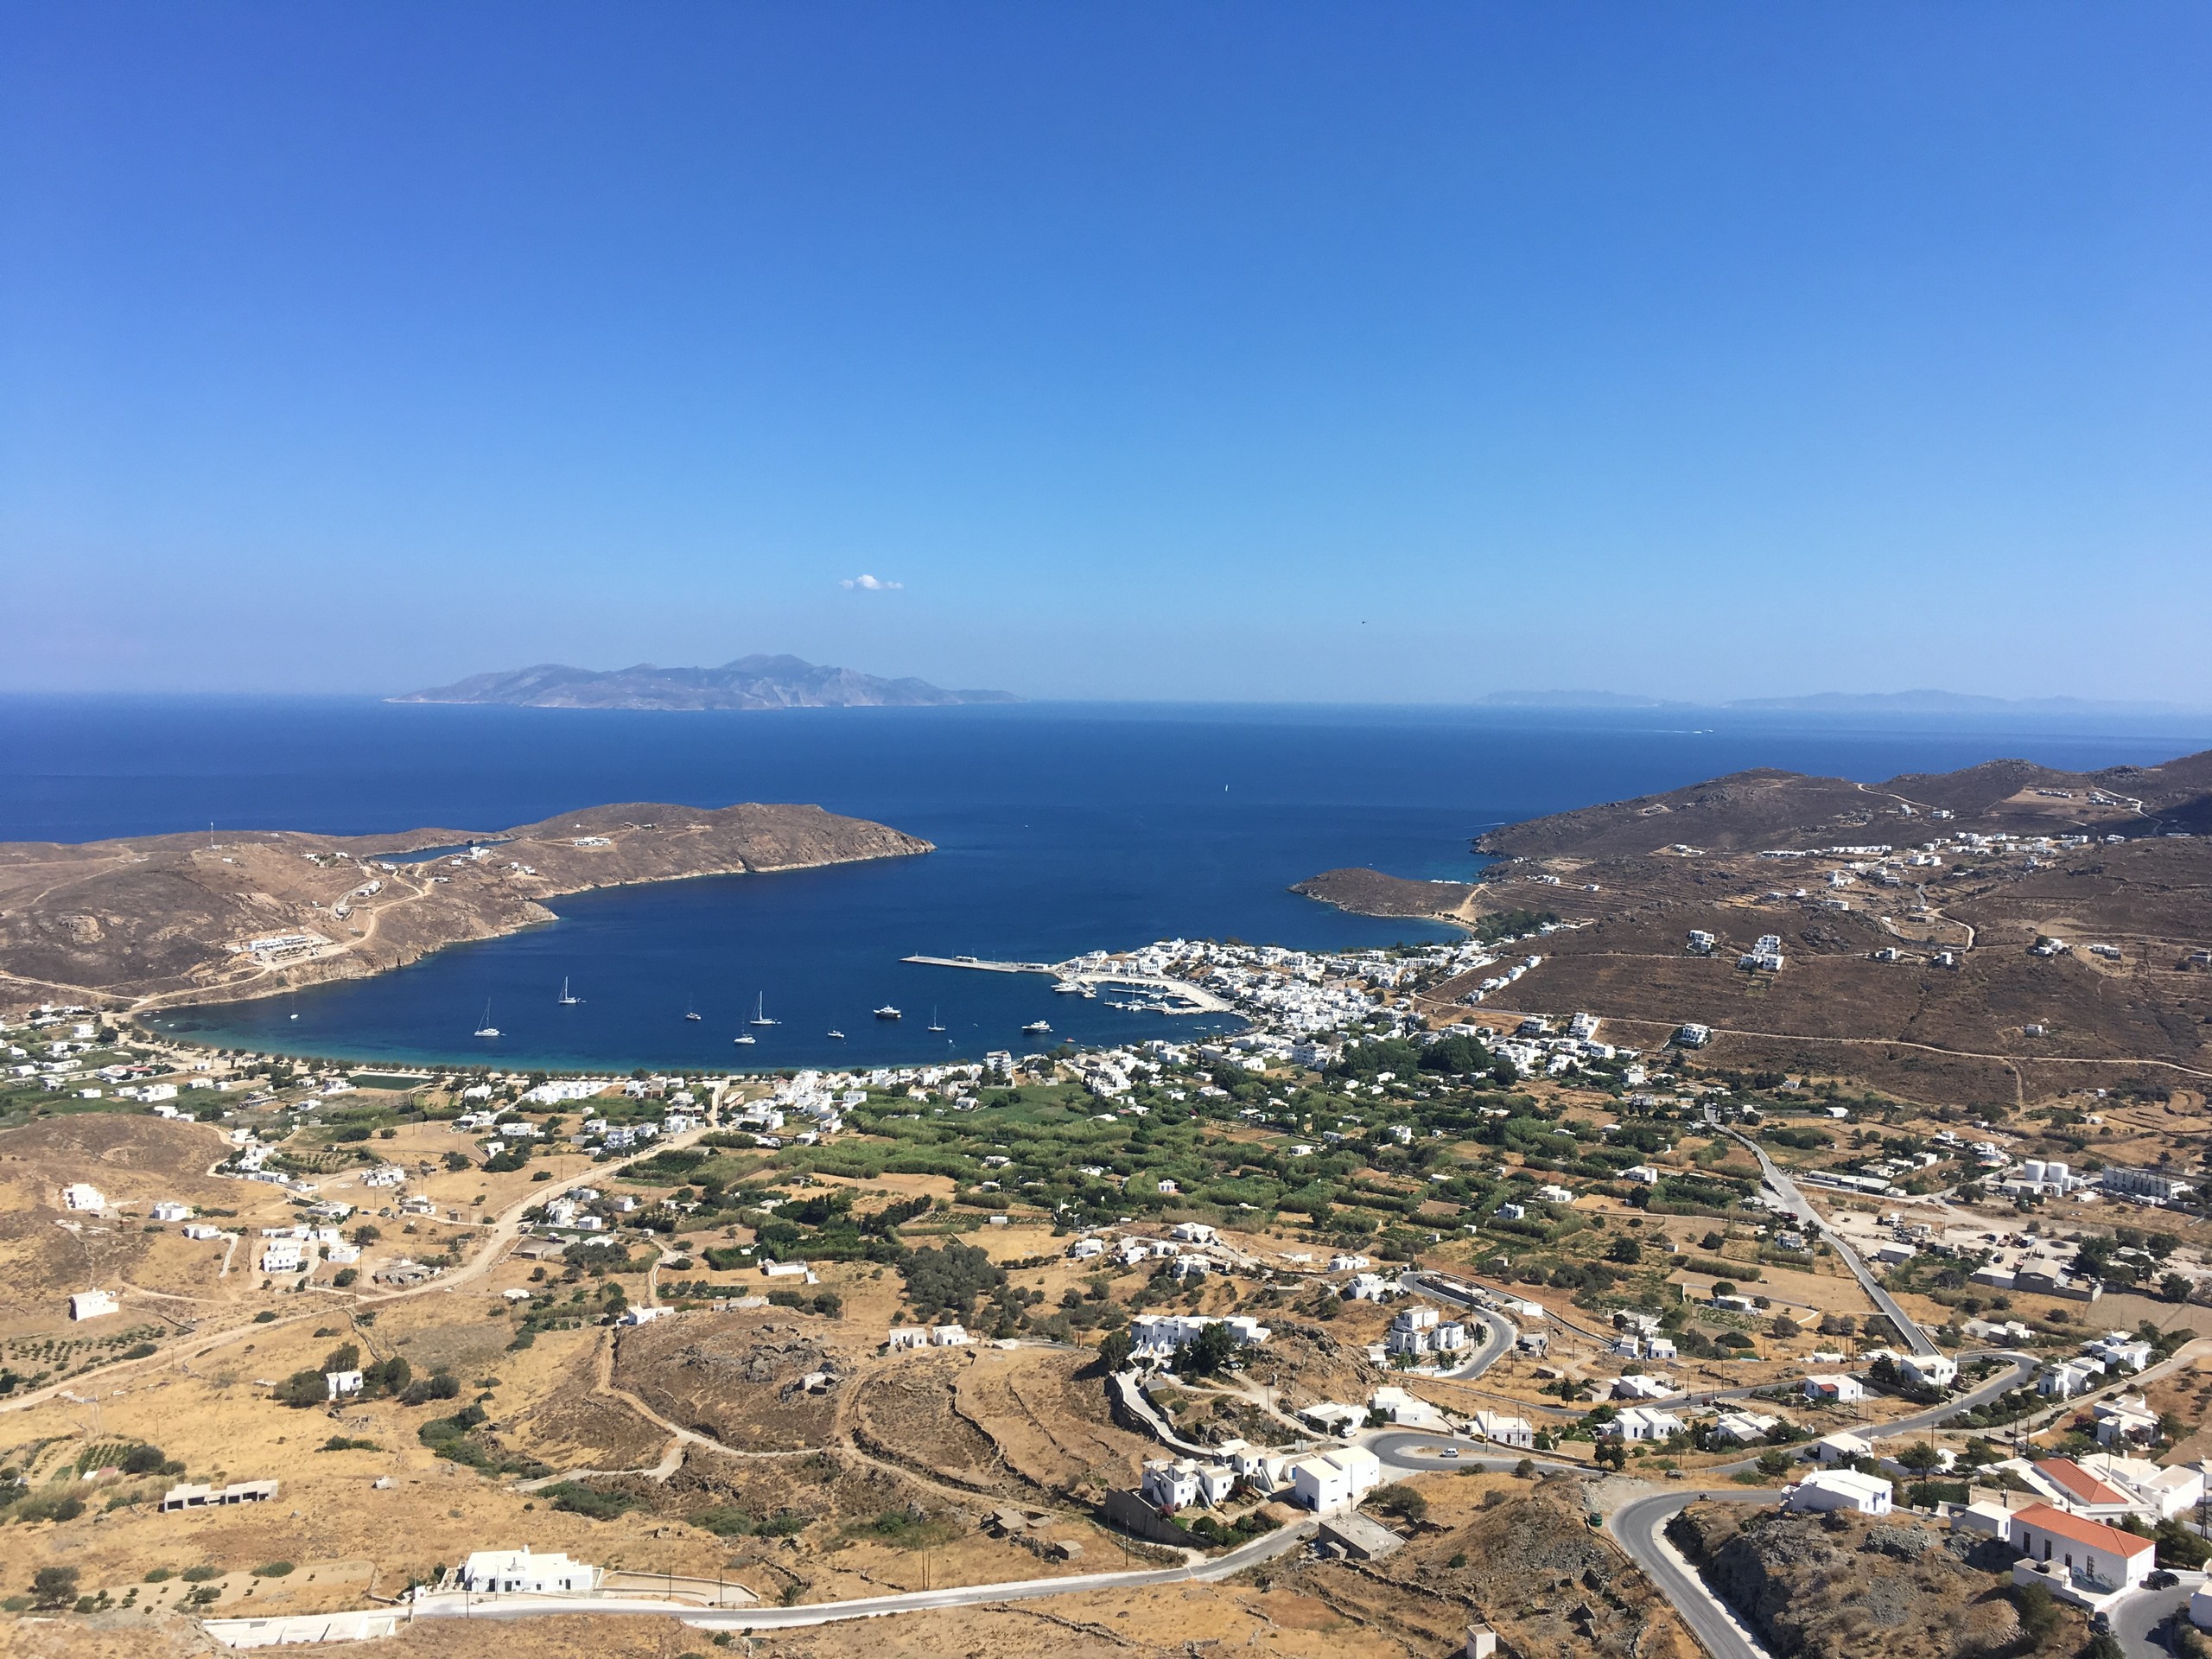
x=136 y=924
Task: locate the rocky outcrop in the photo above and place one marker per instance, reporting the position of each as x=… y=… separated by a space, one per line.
x=1839 y=1587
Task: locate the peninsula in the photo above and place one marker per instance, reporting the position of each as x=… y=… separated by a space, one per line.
x=1983 y=935
x=146 y=920
x=755 y=681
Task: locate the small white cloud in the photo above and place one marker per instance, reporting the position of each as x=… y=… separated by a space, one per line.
x=870 y=584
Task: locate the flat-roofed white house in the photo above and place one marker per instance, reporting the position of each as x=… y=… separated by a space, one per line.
x=1500 y=1430
x=517 y=1571
x=1835 y=1389
x=1335 y=1479
x=1644 y=1423
x=1840 y=1489
x=90 y=1304
x=79 y=1195
x=1842 y=1446
x=1743 y=1427
x=1932 y=1370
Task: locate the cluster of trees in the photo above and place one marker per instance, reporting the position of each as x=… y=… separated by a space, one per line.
x=949 y=1279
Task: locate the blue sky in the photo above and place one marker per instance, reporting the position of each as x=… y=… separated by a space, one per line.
x=1385 y=352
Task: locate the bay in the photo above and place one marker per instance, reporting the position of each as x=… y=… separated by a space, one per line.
x=1060 y=829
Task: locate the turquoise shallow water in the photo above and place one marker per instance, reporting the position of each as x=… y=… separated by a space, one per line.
x=1059 y=829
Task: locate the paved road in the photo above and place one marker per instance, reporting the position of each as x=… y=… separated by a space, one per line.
x=2136 y=1618
x=1917 y=1339
x=1638 y=1526
x=1498 y=1332
x=457 y=1605
x=1410 y=1452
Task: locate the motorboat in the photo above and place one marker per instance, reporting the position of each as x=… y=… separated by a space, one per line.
x=1037 y=1028
x=839 y=1035
x=886 y=1011
x=747 y=1038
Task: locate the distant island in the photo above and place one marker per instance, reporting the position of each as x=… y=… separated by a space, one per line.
x=755 y=681
x=151 y=919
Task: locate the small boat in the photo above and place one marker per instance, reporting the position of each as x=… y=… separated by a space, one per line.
x=934 y=1026
x=839 y=1035
x=567 y=999
x=748 y=1039
x=1036 y=1028
x=1067 y=988
x=886 y=1011
x=487 y=1029
x=690 y=1009
x=760 y=1013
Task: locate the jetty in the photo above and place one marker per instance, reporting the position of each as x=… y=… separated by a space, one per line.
x=1086 y=973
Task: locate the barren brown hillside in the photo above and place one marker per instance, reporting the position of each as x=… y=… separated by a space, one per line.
x=163 y=915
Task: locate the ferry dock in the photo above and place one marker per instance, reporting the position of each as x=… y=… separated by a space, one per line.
x=1196 y=998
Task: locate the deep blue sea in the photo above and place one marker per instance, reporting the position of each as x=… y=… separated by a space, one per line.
x=1060 y=827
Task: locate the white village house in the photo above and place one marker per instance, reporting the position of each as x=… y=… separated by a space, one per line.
x=517 y=1571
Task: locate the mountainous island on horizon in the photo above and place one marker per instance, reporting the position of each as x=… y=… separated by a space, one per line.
x=755 y=681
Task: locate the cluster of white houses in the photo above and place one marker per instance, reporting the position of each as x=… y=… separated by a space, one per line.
x=1321 y=1481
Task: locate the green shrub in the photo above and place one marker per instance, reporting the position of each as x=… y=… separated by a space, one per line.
x=272 y=1569
x=578 y=1498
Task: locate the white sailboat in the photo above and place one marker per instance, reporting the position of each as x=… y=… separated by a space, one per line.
x=487 y=1029
x=934 y=1026
x=690 y=1012
x=760 y=1012
x=567 y=999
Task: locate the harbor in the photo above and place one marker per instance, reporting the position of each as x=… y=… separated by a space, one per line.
x=1085 y=976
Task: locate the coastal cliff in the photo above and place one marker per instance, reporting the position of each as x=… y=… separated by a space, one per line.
x=145 y=920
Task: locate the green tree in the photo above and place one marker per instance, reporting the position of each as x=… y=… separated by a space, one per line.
x=303 y=1389
x=1215 y=1350
x=1920 y=1458
x=1399 y=1499
x=53 y=1586
x=1113 y=1349
x=1774 y=1464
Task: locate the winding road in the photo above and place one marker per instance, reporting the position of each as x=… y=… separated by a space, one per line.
x=1639 y=1527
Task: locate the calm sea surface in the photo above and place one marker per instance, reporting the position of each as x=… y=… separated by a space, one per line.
x=1061 y=829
